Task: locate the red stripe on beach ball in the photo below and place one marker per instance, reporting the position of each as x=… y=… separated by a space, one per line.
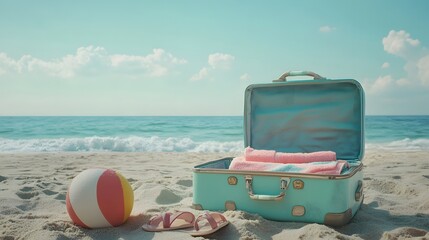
x=110 y=197
x=72 y=213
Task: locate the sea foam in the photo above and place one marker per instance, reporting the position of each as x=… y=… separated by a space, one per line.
x=117 y=144
x=159 y=144
x=403 y=144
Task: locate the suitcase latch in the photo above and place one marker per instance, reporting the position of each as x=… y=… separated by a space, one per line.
x=283 y=183
x=359 y=191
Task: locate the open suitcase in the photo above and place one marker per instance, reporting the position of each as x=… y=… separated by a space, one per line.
x=293 y=116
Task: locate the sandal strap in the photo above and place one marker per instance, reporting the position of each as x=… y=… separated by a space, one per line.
x=208 y=217
x=168 y=218
x=187 y=216
x=163 y=217
x=223 y=218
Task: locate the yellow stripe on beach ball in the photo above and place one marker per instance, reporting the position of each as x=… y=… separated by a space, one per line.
x=128 y=196
x=99 y=198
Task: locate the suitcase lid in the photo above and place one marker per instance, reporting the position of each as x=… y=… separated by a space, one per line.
x=306 y=116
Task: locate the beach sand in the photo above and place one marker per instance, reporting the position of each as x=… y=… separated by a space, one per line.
x=33 y=189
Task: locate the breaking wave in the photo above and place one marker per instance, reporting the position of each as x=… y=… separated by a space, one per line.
x=404 y=144
x=159 y=144
x=117 y=144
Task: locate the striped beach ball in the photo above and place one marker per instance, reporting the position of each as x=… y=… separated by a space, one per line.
x=99 y=198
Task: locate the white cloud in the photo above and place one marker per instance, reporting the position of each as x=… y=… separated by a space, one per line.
x=8 y=64
x=203 y=73
x=327 y=29
x=385 y=65
x=399 y=42
x=65 y=67
x=68 y=66
x=245 y=77
x=423 y=69
x=154 y=64
x=384 y=84
x=380 y=84
x=216 y=61
x=220 y=60
x=416 y=57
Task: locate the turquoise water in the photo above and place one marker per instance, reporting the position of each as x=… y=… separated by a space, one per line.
x=397 y=132
x=176 y=134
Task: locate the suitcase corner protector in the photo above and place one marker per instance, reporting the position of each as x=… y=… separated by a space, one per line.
x=338 y=219
x=197 y=206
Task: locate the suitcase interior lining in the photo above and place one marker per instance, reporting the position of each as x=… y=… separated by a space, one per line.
x=304 y=117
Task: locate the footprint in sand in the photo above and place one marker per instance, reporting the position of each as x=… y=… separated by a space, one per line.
x=27 y=193
x=406 y=232
x=2 y=178
x=43 y=184
x=8 y=237
x=132 y=180
x=27 y=206
x=60 y=196
x=167 y=197
x=186 y=183
x=49 y=192
x=68 y=168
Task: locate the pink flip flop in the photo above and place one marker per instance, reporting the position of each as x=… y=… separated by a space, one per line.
x=215 y=221
x=170 y=221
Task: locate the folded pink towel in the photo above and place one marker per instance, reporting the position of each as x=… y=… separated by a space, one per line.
x=253 y=155
x=325 y=168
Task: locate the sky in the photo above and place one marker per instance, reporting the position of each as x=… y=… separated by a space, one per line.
x=196 y=57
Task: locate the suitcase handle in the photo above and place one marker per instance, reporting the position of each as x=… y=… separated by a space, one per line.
x=283 y=77
x=283 y=186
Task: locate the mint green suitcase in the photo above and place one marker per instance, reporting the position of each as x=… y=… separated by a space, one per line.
x=293 y=116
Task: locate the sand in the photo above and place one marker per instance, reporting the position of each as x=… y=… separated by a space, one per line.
x=33 y=189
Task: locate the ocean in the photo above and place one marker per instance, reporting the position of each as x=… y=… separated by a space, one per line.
x=177 y=134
